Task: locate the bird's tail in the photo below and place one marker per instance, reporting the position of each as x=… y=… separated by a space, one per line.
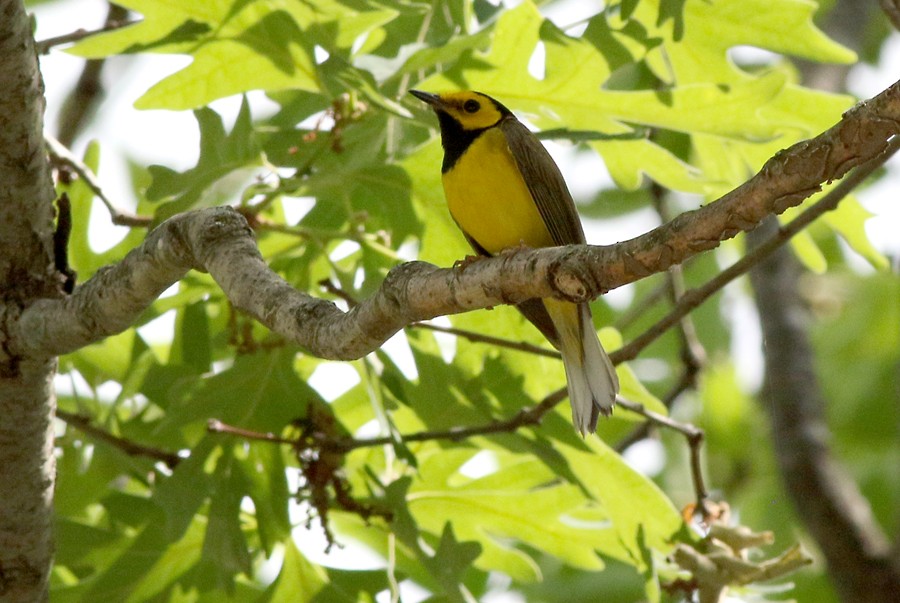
x=592 y=379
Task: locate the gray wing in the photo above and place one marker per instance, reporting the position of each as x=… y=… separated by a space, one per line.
x=536 y=313
x=533 y=309
x=545 y=182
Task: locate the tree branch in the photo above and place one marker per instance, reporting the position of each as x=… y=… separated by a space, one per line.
x=44 y=46
x=62 y=155
x=218 y=240
x=694 y=297
x=861 y=564
x=891 y=8
x=83 y=424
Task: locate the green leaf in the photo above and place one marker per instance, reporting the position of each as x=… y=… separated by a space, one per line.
x=848 y=220
x=519 y=503
x=254 y=50
x=191 y=345
x=221 y=155
x=77 y=544
x=641 y=515
x=298 y=580
x=126 y=573
x=711 y=29
x=170 y=563
x=238 y=46
x=108 y=359
x=225 y=552
x=260 y=391
x=181 y=495
x=235 y=47
x=264 y=477
x=452 y=558
x=809 y=253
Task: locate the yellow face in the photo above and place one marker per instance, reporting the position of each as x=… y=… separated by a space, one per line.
x=473 y=110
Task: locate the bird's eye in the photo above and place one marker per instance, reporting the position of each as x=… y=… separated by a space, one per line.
x=471 y=106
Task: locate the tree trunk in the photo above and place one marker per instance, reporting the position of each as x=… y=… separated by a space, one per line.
x=27 y=273
x=860 y=563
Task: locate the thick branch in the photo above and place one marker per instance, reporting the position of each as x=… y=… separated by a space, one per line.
x=218 y=241
x=830 y=504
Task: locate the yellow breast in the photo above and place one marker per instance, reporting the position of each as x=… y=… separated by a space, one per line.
x=489 y=199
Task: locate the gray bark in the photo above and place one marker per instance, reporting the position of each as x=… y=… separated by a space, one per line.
x=219 y=241
x=27 y=467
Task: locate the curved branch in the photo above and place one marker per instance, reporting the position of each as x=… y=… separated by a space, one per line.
x=219 y=241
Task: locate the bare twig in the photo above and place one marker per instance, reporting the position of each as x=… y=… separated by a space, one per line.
x=692 y=354
x=337 y=291
x=694 y=297
x=61 y=155
x=86 y=95
x=527 y=416
x=44 y=46
x=521 y=346
x=83 y=424
x=642 y=431
x=891 y=8
x=217 y=426
x=694 y=436
x=641 y=306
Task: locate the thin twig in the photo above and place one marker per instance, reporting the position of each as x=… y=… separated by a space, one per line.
x=694 y=436
x=88 y=91
x=641 y=306
x=330 y=287
x=258 y=222
x=891 y=8
x=83 y=424
x=531 y=415
x=692 y=354
x=694 y=297
x=525 y=417
x=44 y=46
x=60 y=154
x=217 y=426
x=497 y=341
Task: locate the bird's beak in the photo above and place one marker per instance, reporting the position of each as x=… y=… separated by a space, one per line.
x=432 y=99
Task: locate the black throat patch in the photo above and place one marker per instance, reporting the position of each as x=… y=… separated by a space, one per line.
x=455 y=140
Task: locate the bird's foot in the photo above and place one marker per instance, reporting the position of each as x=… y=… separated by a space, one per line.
x=466 y=262
x=522 y=246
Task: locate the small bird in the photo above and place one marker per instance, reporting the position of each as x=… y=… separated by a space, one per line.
x=504 y=190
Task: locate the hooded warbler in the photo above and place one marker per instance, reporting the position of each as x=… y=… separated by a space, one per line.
x=504 y=190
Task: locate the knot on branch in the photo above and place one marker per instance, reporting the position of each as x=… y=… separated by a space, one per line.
x=395 y=288
x=572 y=280
x=220 y=226
x=571 y=277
